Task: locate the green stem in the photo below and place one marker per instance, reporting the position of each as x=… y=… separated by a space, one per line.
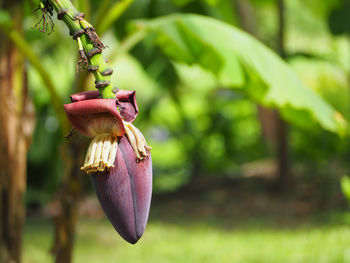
x=92 y=46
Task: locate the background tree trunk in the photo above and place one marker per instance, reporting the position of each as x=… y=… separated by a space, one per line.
x=274 y=129
x=284 y=174
x=68 y=197
x=16 y=127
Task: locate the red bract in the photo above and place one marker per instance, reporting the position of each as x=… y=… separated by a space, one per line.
x=124 y=184
x=91 y=115
x=125 y=193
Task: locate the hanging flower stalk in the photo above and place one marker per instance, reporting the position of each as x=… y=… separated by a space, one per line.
x=118 y=157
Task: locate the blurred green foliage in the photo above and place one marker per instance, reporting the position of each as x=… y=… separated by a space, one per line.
x=345 y=186
x=196 y=123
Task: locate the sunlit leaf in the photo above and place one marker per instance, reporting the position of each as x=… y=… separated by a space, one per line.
x=186 y=2
x=238 y=60
x=345 y=187
x=213 y=2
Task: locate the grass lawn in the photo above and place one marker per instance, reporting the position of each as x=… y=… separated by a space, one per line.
x=182 y=237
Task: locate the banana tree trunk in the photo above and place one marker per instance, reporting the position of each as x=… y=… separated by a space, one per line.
x=16 y=127
x=68 y=197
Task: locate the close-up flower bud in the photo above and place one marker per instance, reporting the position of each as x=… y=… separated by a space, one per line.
x=118 y=158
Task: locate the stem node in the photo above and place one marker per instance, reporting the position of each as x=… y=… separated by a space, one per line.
x=107 y=72
x=92 y=68
x=79 y=16
x=78 y=33
x=61 y=13
x=93 y=52
x=102 y=84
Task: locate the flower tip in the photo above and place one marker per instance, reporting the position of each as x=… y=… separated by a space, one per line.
x=132 y=239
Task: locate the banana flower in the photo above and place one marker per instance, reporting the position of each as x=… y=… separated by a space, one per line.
x=118 y=158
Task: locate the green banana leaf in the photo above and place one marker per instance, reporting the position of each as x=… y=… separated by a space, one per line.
x=240 y=61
